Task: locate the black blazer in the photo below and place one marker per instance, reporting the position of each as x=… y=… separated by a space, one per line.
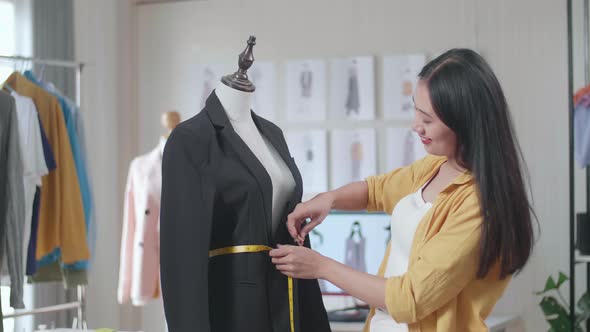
x=215 y=193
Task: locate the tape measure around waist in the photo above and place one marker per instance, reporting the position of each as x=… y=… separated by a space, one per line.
x=251 y=249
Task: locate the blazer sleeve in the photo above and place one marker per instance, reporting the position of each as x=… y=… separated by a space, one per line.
x=185 y=227
x=124 y=289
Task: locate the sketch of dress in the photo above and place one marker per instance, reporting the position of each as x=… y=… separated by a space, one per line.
x=306 y=85
x=354 y=255
x=255 y=76
x=409 y=151
x=407 y=89
x=305 y=81
x=352 y=97
x=307 y=167
x=356 y=157
x=208 y=77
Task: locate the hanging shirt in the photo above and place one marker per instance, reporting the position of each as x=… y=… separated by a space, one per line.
x=51 y=165
x=12 y=208
x=34 y=167
x=61 y=224
x=84 y=184
x=34 y=164
x=31 y=267
x=405 y=218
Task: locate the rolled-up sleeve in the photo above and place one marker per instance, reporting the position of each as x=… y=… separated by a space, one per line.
x=443 y=267
x=387 y=189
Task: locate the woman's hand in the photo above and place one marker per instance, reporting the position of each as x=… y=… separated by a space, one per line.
x=315 y=209
x=298 y=262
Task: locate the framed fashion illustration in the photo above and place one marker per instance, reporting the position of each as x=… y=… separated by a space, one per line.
x=205 y=78
x=263 y=75
x=352 y=155
x=352 y=88
x=305 y=94
x=400 y=73
x=309 y=148
x=403 y=147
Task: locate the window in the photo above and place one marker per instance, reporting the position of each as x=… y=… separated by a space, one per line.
x=15 y=39
x=7 y=38
x=7 y=47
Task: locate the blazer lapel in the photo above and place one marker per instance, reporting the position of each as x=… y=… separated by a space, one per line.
x=221 y=122
x=276 y=138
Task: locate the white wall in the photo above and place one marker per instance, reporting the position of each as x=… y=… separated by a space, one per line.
x=126 y=87
x=104 y=40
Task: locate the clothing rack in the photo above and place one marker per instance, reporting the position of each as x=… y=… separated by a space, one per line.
x=78 y=66
x=80 y=303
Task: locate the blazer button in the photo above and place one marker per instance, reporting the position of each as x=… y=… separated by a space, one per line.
x=147 y=212
x=141 y=244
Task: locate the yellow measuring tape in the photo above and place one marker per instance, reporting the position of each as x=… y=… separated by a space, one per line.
x=257 y=248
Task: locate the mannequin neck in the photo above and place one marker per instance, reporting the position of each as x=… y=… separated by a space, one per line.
x=237 y=104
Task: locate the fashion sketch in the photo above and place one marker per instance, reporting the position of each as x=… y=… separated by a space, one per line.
x=352 y=97
x=209 y=81
x=356 y=158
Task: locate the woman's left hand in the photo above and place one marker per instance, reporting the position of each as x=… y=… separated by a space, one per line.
x=298 y=262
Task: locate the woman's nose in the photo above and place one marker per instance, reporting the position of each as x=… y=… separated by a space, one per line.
x=417 y=128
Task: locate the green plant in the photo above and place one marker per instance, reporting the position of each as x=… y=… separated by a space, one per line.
x=557 y=311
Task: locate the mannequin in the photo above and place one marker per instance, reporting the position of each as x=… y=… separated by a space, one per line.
x=237 y=107
x=139 y=257
x=169 y=121
x=228 y=184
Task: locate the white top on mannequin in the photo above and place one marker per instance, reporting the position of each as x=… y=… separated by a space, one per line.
x=237 y=107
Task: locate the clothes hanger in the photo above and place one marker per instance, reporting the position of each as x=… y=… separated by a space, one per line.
x=7 y=87
x=42 y=73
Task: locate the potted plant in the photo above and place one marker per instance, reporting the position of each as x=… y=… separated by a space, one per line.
x=556 y=309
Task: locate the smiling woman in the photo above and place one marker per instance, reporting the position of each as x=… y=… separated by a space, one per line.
x=470 y=221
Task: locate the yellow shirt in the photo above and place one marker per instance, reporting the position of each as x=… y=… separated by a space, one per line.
x=61 y=214
x=440 y=291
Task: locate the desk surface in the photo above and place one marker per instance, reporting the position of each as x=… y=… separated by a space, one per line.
x=494 y=323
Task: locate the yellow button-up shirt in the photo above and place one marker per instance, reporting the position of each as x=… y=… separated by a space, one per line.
x=440 y=290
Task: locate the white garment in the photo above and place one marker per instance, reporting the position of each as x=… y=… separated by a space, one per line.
x=405 y=218
x=34 y=167
x=282 y=180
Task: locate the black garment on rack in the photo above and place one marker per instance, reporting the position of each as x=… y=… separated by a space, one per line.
x=215 y=194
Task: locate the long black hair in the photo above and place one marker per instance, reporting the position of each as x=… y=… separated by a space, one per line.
x=467 y=97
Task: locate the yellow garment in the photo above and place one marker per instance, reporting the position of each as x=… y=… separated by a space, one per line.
x=61 y=214
x=440 y=291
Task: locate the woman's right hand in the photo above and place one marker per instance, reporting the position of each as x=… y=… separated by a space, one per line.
x=315 y=209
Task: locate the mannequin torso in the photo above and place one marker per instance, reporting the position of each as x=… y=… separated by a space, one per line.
x=237 y=107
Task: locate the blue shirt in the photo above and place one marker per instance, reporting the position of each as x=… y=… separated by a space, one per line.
x=80 y=170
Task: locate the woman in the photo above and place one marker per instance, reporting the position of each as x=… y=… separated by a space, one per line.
x=465 y=207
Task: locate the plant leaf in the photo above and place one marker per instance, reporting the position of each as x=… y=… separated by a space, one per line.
x=584 y=305
x=562 y=278
x=549 y=285
x=555 y=314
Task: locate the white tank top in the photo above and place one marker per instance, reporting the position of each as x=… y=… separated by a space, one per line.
x=405 y=217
